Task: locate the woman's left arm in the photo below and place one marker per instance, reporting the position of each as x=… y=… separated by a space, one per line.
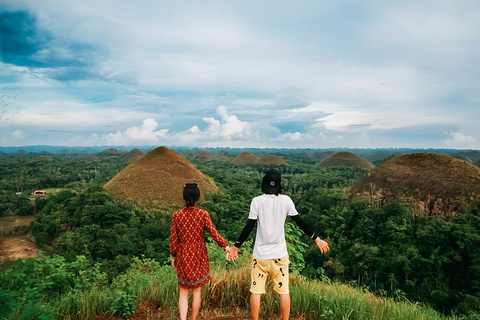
x=213 y=231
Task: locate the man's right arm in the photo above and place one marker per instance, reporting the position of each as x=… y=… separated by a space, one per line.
x=245 y=232
x=232 y=254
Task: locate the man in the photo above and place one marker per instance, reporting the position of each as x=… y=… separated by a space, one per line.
x=270 y=256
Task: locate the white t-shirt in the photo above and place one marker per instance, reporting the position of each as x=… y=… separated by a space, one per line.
x=270 y=211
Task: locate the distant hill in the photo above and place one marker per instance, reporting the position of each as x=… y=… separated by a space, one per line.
x=472 y=155
x=42 y=158
x=345 y=159
x=434 y=182
x=158 y=179
x=224 y=159
x=133 y=155
x=464 y=158
x=203 y=156
x=381 y=156
x=249 y=158
x=110 y=151
x=223 y=153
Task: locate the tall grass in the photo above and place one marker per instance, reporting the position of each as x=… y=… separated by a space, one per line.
x=228 y=292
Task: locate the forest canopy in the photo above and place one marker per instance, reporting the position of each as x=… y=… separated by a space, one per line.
x=389 y=249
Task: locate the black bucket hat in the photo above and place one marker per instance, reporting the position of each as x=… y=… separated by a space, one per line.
x=272 y=182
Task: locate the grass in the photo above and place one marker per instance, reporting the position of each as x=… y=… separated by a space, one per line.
x=228 y=293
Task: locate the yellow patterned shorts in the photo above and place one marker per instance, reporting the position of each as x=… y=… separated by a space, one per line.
x=276 y=268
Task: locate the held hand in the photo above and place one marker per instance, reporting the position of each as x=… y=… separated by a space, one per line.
x=232 y=253
x=174 y=260
x=322 y=245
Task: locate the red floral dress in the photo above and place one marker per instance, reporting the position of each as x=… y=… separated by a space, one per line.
x=188 y=246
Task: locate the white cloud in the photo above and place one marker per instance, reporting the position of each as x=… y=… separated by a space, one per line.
x=458 y=140
x=378 y=66
x=228 y=128
x=292 y=136
x=145 y=134
x=357 y=118
x=18 y=135
x=228 y=131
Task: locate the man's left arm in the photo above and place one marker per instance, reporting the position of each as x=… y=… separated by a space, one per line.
x=321 y=244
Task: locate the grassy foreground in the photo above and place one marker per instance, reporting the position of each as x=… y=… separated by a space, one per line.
x=228 y=292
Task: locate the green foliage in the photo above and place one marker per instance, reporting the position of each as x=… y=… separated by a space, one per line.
x=8 y=303
x=296 y=247
x=35 y=311
x=386 y=249
x=31 y=281
x=10 y=204
x=123 y=302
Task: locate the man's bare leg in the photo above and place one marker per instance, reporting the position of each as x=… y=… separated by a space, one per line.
x=255 y=299
x=285 y=305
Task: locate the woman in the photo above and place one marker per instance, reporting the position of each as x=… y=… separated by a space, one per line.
x=187 y=246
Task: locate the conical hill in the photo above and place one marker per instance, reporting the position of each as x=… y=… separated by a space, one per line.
x=435 y=183
x=158 y=178
x=110 y=151
x=133 y=155
x=345 y=159
x=246 y=158
x=249 y=158
x=204 y=156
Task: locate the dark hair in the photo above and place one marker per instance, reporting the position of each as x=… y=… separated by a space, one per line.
x=191 y=194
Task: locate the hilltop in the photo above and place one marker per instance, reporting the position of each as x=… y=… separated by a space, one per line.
x=133 y=155
x=158 y=179
x=204 y=156
x=110 y=151
x=435 y=183
x=345 y=159
x=249 y=158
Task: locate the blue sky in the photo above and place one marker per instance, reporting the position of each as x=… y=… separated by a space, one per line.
x=287 y=74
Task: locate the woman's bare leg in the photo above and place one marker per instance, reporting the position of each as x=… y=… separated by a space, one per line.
x=197 y=301
x=183 y=303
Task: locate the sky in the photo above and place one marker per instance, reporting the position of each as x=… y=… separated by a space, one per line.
x=255 y=74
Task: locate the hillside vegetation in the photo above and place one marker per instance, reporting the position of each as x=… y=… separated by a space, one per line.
x=147 y=283
x=102 y=253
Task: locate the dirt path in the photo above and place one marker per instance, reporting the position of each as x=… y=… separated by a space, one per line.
x=16 y=246
x=149 y=311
